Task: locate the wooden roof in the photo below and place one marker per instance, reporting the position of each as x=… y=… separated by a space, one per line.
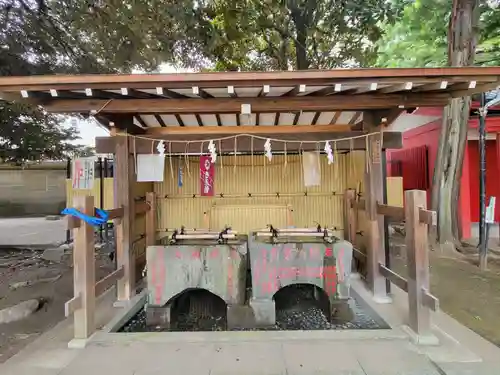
x=191 y=103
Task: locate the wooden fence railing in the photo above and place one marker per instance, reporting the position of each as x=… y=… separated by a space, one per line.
x=416 y=218
x=86 y=289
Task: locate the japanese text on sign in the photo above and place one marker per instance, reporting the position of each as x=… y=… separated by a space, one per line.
x=83 y=173
x=206 y=176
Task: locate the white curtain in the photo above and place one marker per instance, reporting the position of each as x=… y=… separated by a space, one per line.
x=311 y=168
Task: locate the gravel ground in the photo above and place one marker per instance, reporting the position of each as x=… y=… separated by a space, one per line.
x=304 y=316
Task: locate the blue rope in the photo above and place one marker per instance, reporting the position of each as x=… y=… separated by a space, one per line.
x=102 y=216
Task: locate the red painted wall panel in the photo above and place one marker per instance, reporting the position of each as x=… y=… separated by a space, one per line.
x=426 y=135
x=492 y=180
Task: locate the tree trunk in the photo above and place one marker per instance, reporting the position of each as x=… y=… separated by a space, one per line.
x=462 y=40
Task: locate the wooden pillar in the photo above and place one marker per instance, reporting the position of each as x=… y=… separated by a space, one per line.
x=374 y=194
x=151 y=220
x=418 y=262
x=84 y=270
x=349 y=216
x=124 y=176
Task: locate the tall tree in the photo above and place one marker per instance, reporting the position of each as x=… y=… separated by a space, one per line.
x=462 y=42
x=421 y=38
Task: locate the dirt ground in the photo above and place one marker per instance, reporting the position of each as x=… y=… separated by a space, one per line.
x=467 y=294
x=18 y=266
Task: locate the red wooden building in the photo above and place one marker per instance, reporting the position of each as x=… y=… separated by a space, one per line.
x=415 y=162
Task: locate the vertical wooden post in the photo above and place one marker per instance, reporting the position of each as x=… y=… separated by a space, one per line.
x=124 y=175
x=418 y=262
x=84 y=270
x=151 y=220
x=349 y=216
x=375 y=223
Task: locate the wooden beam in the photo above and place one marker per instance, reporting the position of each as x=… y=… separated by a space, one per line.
x=355 y=118
x=300 y=89
x=160 y=121
x=107 y=281
x=84 y=271
x=123 y=122
x=141 y=121
x=427 y=217
x=418 y=262
x=359 y=205
x=460 y=90
x=392 y=140
x=315 y=118
x=201 y=93
x=231 y=92
x=125 y=257
x=296 y=118
x=264 y=91
x=407 y=86
x=375 y=223
x=395 y=213
x=250 y=129
x=198 y=119
x=141 y=208
x=335 y=117
x=179 y=119
x=431 y=86
x=429 y=300
x=373 y=119
x=233 y=105
x=368 y=88
x=243 y=79
x=72 y=305
x=217 y=118
x=170 y=94
x=276 y=119
x=393 y=277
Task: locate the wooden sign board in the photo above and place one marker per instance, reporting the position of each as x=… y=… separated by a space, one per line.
x=83 y=173
x=375 y=151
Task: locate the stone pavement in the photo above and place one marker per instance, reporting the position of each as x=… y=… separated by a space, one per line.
x=243 y=358
x=254 y=353
x=31 y=232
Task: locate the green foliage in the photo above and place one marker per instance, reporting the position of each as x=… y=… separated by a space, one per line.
x=28 y=134
x=419 y=37
x=34 y=40
x=230 y=34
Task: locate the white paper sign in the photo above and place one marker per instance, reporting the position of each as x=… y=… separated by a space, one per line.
x=82 y=173
x=490 y=211
x=150 y=168
x=311 y=168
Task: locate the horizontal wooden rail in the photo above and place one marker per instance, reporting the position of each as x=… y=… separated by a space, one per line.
x=427 y=217
x=72 y=305
x=359 y=252
x=108 y=280
x=360 y=205
x=142 y=207
x=393 y=277
x=396 y=213
x=429 y=300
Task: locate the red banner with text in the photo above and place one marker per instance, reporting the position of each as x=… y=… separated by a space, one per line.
x=207 y=172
